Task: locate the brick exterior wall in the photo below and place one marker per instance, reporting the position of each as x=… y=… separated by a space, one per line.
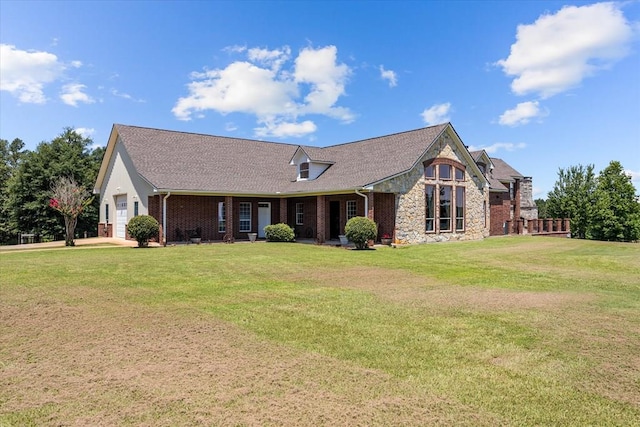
x=105 y=230
x=321 y=207
x=385 y=213
x=500 y=212
x=309 y=227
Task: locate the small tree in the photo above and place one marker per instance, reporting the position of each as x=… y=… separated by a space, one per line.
x=143 y=228
x=573 y=197
x=70 y=199
x=360 y=230
x=616 y=213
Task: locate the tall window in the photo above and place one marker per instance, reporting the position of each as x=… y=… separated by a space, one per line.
x=304 y=170
x=222 y=218
x=445 y=195
x=106 y=213
x=135 y=208
x=299 y=213
x=445 y=208
x=245 y=216
x=484 y=211
x=431 y=207
x=351 y=209
x=459 y=208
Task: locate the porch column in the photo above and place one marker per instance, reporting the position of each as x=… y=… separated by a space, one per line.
x=558 y=225
x=230 y=220
x=320 y=219
x=567 y=225
x=371 y=213
x=283 y=211
x=530 y=226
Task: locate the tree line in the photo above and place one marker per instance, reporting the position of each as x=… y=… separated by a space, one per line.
x=602 y=207
x=28 y=178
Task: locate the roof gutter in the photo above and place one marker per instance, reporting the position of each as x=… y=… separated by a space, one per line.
x=366 y=202
x=164 y=219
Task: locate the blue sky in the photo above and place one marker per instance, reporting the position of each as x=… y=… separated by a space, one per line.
x=541 y=84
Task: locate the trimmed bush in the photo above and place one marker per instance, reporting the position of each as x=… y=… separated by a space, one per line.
x=360 y=230
x=142 y=228
x=279 y=233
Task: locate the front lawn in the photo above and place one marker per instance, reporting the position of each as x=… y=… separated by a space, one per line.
x=506 y=331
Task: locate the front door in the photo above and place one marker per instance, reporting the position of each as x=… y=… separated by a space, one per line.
x=121 y=216
x=334 y=220
x=264 y=217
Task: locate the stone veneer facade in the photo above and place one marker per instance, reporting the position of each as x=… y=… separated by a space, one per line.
x=528 y=208
x=410 y=200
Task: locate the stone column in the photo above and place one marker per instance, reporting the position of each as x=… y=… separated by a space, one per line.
x=370 y=201
x=558 y=225
x=567 y=225
x=320 y=219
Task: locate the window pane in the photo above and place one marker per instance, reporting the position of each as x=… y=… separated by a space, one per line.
x=304 y=170
x=431 y=207
x=135 y=208
x=351 y=209
x=459 y=208
x=459 y=175
x=245 y=216
x=299 y=214
x=445 y=208
x=430 y=172
x=222 y=218
x=445 y=171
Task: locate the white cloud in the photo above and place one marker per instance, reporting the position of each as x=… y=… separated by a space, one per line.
x=73 y=93
x=272 y=58
x=86 y=132
x=389 y=75
x=522 y=114
x=634 y=175
x=261 y=86
x=558 y=51
x=284 y=129
x=123 y=95
x=436 y=114
x=493 y=148
x=25 y=73
x=319 y=69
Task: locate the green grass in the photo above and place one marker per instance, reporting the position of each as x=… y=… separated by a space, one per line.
x=529 y=331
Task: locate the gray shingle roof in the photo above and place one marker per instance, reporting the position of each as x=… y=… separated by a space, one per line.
x=503 y=171
x=180 y=161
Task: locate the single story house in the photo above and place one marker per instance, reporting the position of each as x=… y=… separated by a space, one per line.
x=418 y=186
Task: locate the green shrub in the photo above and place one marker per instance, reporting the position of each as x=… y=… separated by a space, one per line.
x=360 y=230
x=142 y=228
x=279 y=233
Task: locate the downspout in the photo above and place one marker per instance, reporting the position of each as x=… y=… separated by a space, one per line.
x=164 y=219
x=366 y=203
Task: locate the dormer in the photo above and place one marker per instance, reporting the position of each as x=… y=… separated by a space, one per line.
x=308 y=167
x=483 y=161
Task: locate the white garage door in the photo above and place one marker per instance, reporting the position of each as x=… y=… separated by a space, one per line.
x=121 y=216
